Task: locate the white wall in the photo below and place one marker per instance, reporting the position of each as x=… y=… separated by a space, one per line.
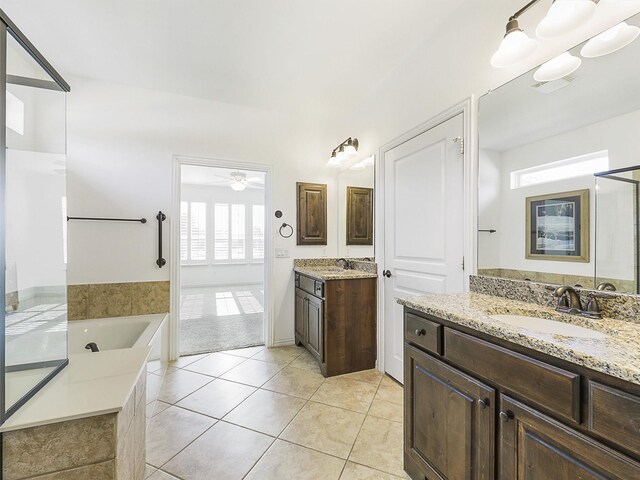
x=120 y=146
x=221 y=274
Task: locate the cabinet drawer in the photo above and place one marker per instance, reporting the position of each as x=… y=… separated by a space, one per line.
x=615 y=415
x=545 y=385
x=307 y=284
x=423 y=332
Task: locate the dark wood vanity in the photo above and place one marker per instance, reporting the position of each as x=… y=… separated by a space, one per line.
x=478 y=407
x=336 y=321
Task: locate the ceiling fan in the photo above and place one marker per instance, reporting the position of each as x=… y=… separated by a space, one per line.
x=238 y=181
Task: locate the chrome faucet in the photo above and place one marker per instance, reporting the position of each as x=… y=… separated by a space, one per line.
x=347 y=263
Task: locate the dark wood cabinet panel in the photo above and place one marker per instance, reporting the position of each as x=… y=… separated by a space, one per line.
x=451 y=420
x=312 y=213
x=359 y=216
x=424 y=333
x=533 y=446
x=315 y=321
x=300 y=315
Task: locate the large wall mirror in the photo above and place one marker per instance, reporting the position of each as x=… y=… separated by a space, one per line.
x=355 y=209
x=546 y=212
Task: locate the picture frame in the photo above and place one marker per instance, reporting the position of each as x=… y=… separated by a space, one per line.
x=557 y=227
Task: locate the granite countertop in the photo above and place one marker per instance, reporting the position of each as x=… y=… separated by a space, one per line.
x=327 y=272
x=617 y=354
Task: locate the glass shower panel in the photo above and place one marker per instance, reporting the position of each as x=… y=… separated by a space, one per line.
x=35 y=233
x=617 y=230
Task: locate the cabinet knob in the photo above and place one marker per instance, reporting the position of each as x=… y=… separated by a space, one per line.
x=506 y=416
x=420 y=332
x=483 y=403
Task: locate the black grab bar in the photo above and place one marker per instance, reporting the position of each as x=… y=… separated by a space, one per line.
x=161 y=217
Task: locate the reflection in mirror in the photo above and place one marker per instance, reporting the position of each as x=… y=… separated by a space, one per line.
x=35 y=234
x=540 y=144
x=355 y=212
x=617 y=230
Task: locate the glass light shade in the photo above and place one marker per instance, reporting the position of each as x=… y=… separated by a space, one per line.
x=358 y=166
x=610 y=41
x=564 y=16
x=556 y=68
x=238 y=186
x=369 y=161
x=334 y=162
x=515 y=47
x=350 y=150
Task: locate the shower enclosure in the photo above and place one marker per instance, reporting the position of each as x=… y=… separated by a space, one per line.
x=618 y=230
x=32 y=218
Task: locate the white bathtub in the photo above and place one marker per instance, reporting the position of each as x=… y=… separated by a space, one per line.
x=115 y=333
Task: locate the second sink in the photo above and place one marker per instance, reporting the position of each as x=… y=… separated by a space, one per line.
x=543 y=325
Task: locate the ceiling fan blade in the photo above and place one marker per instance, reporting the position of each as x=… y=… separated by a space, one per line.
x=255 y=180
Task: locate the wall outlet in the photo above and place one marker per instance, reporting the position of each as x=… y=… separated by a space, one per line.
x=282 y=253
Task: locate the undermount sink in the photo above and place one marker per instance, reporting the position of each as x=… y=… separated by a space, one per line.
x=543 y=325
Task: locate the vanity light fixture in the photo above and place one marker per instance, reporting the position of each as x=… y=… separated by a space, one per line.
x=610 y=40
x=515 y=46
x=238 y=181
x=564 y=16
x=366 y=163
x=343 y=152
x=557 y=68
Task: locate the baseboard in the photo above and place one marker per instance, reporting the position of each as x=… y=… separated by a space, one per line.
x=284 y=343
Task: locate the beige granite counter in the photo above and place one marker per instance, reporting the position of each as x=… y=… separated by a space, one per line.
x=618 y=354
x=327 y=272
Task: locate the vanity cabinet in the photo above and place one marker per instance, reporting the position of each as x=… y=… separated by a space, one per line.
x=336 y=321
x=482 y=408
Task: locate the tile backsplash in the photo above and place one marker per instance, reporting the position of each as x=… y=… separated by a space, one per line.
x=102 y=300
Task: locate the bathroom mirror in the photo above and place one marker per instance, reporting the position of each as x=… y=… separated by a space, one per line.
x=355 y=209
x=540 y=144
x=35 y=313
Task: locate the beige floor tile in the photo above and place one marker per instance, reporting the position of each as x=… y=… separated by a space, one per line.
x=327 y=429
x=370 y=376
x=245 y=352
x=390 y=411
x=180 y=383
x=285 y=461
x=296 y=382
x=156 y=408
x=353 y=471
x=156 y=366
x=388 y=381
x=187 y=360
x=279 y=355
x=267 y=412
x=252 y=372
x=217 y=398
x=171 y=431
x=225 y=451
x=379 y=445
x=160 y=475
x=154 y=382
x=149 y=470
x=215 y=364
x=307 y=361
x=346 y=393
x=391 y=394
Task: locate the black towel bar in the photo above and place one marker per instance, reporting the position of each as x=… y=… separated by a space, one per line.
x=103 y=219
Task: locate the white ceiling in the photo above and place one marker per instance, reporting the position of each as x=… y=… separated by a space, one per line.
x=304 y=56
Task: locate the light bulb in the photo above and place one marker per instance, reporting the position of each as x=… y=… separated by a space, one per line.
x=556 y=68
x=610 y=41
x=564 y=16
x=350 y=150
x=515 y=47
x=333 y=161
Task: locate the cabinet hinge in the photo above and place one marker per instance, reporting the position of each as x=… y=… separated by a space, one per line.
x=462 y=263
x=460 y=140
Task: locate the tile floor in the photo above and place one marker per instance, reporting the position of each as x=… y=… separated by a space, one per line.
x=268 y=414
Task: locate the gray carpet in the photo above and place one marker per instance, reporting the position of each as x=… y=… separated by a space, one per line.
x=220 y=318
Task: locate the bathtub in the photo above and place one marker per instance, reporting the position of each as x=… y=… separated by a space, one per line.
x=115 y=333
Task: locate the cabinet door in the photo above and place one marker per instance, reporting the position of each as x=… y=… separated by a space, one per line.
x=533 y=446
x=449 y=420
x=315 y=317
x=300 y=320
x=359 y=216
x=312 y=213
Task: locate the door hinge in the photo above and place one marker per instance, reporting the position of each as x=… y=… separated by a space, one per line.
x=460 y=140
x=462 y=263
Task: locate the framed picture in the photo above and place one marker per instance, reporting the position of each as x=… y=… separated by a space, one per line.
x=558 y=226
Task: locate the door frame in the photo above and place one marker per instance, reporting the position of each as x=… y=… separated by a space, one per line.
x=174 y=261
x=468 y=109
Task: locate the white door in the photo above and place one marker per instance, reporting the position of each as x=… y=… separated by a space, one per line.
x=424 y=225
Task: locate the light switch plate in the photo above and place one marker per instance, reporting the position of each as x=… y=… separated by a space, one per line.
x=282 y=253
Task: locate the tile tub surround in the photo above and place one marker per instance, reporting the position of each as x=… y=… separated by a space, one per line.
x=621 y=306
x=104 y=300
x=107 y=446
x=616 y=355
x=273 y=417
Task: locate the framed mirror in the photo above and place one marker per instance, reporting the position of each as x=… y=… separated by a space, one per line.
x=355 y=209
x=542 y=213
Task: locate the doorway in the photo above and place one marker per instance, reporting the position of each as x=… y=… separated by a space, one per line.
x=222 y=254
x=423 y=176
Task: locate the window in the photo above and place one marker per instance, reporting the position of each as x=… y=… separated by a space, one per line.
x=569 y=168
x=193 y=231
x=257 y=217
x=221 y=239
x=238 y=230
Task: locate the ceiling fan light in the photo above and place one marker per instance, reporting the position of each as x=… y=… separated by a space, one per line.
x=238 y=187
x=515 y=47
x=610 y=40
x=238 y=181
x=564 y=16
x=557 y=68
